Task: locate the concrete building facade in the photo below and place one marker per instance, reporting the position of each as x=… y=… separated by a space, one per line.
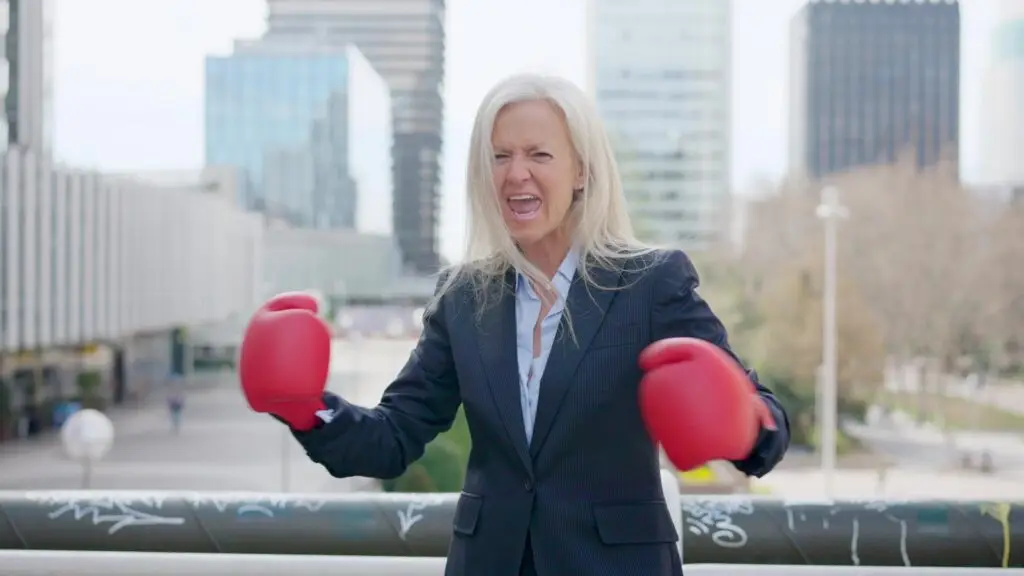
x=101 y=274
x=26 y=73
x=91 y=258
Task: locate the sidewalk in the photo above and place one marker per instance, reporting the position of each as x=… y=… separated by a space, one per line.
x=223 y=445
x=126 y=417
x=897 y=484
x=25 y=459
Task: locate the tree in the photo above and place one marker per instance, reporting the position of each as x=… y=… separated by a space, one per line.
x=724 y=286
x=1003 y=318
x=783 y=262
x=780 y=225
x=928 y=270
x=781 y=266
x=930 y=258
x=790 y=336
x=912 y=243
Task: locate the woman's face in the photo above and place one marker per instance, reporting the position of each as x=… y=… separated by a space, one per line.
x=535 y=171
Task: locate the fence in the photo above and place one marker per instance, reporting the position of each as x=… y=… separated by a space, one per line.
x=112 y=533
x=47 y=563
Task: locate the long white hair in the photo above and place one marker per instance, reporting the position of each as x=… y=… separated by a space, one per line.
x=601 y=228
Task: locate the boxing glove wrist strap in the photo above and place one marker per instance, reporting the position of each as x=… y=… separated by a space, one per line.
x=301 y=416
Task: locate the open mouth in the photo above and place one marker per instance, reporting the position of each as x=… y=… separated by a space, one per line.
x=524 y=206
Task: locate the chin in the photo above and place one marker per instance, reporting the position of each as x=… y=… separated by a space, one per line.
x=525 y=237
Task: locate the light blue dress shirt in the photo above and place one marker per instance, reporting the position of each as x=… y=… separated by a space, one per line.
x=528 y=307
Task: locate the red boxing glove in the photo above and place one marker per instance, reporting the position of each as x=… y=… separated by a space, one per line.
x=698 y=403
x=285 y=360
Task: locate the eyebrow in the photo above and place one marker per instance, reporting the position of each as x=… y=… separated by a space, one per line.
x=530 y=148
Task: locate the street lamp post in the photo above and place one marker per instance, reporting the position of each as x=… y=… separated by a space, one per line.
x=286 y=460
x=831 y=211
x=267 y=290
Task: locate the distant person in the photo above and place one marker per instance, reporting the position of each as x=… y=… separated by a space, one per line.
x=64 y=410
x=574 y=349
x=176 y=401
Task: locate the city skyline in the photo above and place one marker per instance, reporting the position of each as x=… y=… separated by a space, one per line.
x=143 y=267
x=127 y=96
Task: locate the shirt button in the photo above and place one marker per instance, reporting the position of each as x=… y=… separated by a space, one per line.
x=528 y=486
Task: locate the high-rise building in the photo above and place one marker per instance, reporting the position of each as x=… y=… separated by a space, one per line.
x=26 y=73
x=1003 y=100
x=870 y=81
x=311 y=130
x=660 y=73
x=404 y=40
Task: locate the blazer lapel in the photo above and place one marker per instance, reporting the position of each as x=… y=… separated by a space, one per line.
x=497 y=345
x=586 y=307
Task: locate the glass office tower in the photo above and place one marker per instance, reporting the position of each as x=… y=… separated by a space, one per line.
x=310 y=129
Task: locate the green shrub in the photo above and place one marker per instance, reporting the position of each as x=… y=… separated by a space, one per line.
x=90 y=393
x=458 y=435
x=442 y=468
x=801 y=404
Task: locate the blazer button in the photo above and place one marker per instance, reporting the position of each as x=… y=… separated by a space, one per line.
x=528 y=486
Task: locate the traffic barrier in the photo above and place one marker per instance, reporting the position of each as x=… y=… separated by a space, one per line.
x=40 y=563
x=715 y=530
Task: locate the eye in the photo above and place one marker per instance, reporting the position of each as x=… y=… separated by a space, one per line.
x=542 y=156
x=501 y=156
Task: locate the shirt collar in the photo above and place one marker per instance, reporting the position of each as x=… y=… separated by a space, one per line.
x=563 y=276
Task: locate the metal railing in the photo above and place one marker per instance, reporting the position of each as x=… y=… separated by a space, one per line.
x=112 y=533
x=50 y=563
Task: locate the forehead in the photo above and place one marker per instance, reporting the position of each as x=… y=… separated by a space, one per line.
x=530 y=123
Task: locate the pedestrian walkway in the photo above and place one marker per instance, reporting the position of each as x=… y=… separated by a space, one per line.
x=124 y=417
x=896 y=484
x=222 y=444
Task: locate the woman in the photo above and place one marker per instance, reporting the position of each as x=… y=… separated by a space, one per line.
x=537 y=335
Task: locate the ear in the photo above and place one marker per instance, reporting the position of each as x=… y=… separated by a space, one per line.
x=581 y=177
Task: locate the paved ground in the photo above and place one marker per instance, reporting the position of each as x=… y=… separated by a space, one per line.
x=223 y=446
x=909 y=444
x=1006 y=395
x=900 y=483
x=923 y=462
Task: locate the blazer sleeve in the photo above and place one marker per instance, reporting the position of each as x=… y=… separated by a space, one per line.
x=678 y=311
x=381 y=442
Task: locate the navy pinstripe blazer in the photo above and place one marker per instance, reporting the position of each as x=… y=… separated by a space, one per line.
x=587 y=489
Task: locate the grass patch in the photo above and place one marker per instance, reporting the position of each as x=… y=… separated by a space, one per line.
x=845 y=445
x=953 y=413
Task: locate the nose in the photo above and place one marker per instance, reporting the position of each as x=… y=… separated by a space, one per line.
x=518 y=171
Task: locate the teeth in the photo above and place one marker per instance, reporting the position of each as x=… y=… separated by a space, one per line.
x=523 y=197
